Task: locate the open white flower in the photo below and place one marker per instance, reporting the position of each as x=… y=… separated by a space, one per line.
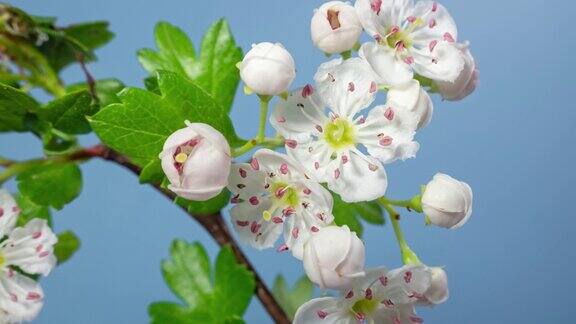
x=410 y=38
x=29 y=248
x=196 y=159
x=335 y=27
x=328 y=145
x=274 y=195
x=381 y=296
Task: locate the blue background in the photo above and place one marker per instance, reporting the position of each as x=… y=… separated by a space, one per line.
x=512 y=141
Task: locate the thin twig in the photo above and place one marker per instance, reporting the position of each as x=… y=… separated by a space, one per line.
x=214 y=224
x=90 y=81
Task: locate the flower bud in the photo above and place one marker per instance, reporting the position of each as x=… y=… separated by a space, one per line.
x=447 y=202
x=268 y=69
x=415 y=99
x=335 y=27
x=466 y=82
x=333 y=256
x=196 y=160
x=438 y=291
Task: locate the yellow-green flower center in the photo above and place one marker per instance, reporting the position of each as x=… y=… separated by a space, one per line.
x=339 y=134
x=397 y=38
x=365 y=306
x=2 y=260
x=285 y=194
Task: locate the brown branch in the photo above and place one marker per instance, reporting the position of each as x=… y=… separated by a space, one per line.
x=214 y=224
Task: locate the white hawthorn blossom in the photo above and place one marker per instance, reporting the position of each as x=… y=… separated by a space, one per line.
x=410 y=37
x=381 y=296
x=335 y=27
x=447 y=202
x=466 y=82
x=267 y=69
x=196 y=159
x=273 y=195
x=30 y=248
x=328 y=143
x=333 y=257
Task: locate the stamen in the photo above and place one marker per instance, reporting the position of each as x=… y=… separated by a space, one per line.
x=181 y=157
x=332 y=16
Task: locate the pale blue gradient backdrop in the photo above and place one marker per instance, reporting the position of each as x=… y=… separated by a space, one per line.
x=512 y=140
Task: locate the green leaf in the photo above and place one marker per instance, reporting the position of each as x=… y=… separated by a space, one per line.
x=234 y=285
x=68 y=244
x=139 y=126
x=348 y=214
x=68 y=114
x=15 y=105
x=291 y=299
x=51 y=185
x=214 y=70
x=152 y=172
x=207 y=207
x=188 y=273
x=30 y=210
x=64 y=44
x=106 y=89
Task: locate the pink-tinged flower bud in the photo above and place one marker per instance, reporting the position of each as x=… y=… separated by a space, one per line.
x=437 y=292
x=335 y=27
x=466 y=82
x=447 y=202
x=268 y=69
x=333 y=257
x=196 y=160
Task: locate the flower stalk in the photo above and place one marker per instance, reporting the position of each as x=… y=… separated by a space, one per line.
x=408 y=256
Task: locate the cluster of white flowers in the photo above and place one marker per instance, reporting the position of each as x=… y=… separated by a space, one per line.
x=28 y=249
x=336 y=142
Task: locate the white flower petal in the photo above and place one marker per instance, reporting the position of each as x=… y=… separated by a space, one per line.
x=251 y=227
x=440 y=20
x=415 y=99
x=323 y=310
x=274 y=161
x=314 y=156
x=389 y=132
x=407 y=284
x=346 y=87
x=246 y=182
x=31 y=247
x=9 y=212
x=391 y=70
x=297 y=117
x=377 y=15
x=361 y=178
x=308 y=220
x=21 y=298
x=444 y=63
x=403 y=314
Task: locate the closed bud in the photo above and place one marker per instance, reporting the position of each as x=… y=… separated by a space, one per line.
x=466 y=82
x=335 y=27
x=438 y=291
x=268 y=69
x=333 y=257
x=447 y=202
x=196 y=160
